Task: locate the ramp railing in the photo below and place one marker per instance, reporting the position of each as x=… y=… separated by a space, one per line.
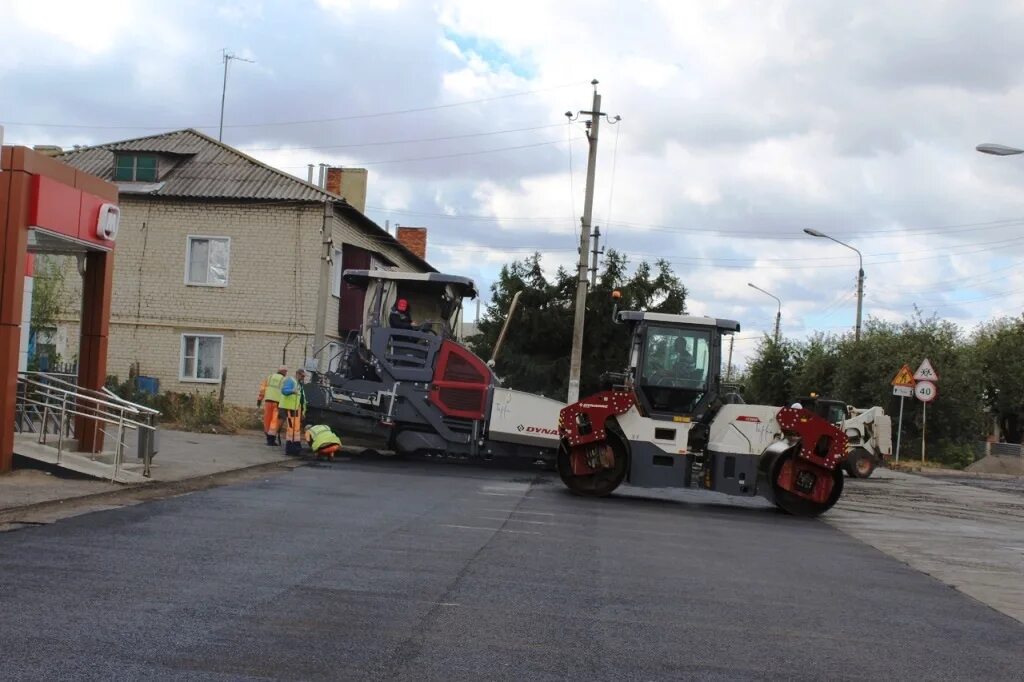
x=46 y=401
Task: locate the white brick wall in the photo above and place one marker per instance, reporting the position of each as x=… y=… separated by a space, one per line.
x=270 y=299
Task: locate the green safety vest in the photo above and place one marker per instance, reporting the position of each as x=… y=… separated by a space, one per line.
x=295 y=400
x=322 y=435
x=273 y=392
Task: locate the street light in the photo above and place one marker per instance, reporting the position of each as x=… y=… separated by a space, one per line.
x=860 y=275
x=998 y=149
x=778 y=314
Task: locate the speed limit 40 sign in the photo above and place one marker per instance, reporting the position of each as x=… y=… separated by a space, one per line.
x=925 y=391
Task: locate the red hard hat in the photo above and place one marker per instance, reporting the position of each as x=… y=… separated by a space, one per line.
x=402 y=305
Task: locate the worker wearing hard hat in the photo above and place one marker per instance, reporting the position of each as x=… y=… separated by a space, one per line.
x=293 y=407
x=323 y=441
x=270 y=399
x=400 y=317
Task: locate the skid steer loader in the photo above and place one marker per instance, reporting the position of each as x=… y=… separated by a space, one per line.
x=667 y=422
x=868 y=432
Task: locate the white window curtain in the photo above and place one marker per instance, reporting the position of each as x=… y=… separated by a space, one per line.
x=208 y=259
x=201 y=357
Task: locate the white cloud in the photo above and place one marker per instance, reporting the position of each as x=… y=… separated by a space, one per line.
x=743 y=123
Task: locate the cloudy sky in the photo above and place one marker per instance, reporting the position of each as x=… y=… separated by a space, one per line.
x=742 y=124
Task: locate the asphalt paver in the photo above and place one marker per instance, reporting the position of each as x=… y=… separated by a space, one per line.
x=414 y=570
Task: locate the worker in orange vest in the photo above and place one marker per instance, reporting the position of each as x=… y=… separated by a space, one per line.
x=270 y=398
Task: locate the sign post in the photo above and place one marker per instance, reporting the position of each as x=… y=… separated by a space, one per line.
x=925 y=391
x=903 y=386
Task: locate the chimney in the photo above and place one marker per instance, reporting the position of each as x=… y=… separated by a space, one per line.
x=349 y=184
x=48 y=149
x=414 y=239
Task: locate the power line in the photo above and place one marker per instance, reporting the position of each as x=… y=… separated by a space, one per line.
x=755 y=263
x=758 y=234
x=390 y=142
x=572 y=191
x=611 y=189
x=447 y=156
x=396 y=112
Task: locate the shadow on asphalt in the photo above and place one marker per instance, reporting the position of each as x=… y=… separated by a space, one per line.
x=626 y=498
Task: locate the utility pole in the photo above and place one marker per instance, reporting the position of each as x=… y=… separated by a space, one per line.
x=860 y=297
x=576 y=358
x=322 y=291
x=595 y=252
x=227 y=57
x=728 y=370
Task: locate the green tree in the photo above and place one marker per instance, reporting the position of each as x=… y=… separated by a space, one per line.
x=535 y=354
x=768 y=379
x=860 y=372
x=814 y=365
x=47 y=292
x=999 y=349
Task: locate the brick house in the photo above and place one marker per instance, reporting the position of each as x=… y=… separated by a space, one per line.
x=218 y=259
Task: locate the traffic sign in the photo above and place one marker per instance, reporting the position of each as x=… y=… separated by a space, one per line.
x=903 y=391
x=904 y=378
x=925 y=391
x=926 y=372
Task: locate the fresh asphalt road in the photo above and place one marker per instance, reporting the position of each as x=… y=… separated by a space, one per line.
x=413 y=570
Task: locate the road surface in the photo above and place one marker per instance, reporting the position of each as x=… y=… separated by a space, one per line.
x=408 y=570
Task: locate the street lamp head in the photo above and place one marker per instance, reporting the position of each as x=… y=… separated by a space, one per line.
x=814 y=233
x=998 y=149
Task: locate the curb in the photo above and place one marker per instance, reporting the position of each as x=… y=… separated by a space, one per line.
x=151 y=490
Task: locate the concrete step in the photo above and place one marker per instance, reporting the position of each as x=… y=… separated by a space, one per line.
x=99 y=465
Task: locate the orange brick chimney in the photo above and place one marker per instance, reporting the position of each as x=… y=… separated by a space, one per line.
x=414 y=239
x=349 y=184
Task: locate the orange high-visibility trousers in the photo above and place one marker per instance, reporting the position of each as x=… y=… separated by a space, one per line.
x=293 y=426
x=271 y=425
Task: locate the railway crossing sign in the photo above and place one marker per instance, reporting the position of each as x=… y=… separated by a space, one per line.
x=925 y=391
x=926 y=372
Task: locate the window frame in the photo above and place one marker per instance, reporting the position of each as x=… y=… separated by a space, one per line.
x=188 y=261
x=333 y=348
x=336 y=271
x=181 y=358
x=135 y=156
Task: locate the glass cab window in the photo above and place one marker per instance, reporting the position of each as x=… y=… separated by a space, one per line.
x=836 y=413
x=675 y=368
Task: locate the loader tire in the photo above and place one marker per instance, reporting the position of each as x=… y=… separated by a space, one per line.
x=860 y=464
x=600 y=484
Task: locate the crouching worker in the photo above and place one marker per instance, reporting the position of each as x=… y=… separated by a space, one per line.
x=322 y=441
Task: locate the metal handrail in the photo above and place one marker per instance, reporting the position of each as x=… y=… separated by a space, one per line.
x=81 y=393
x=69 y=402
x=145 y=409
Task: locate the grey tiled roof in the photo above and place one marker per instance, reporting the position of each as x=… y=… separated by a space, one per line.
x=207 y=169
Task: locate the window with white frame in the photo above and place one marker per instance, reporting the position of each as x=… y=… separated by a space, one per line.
x=207 y=261
x=336 y=272
x=201 y=356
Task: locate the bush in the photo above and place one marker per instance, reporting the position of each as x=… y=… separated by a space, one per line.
x=193 y=411
x=955 y=455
